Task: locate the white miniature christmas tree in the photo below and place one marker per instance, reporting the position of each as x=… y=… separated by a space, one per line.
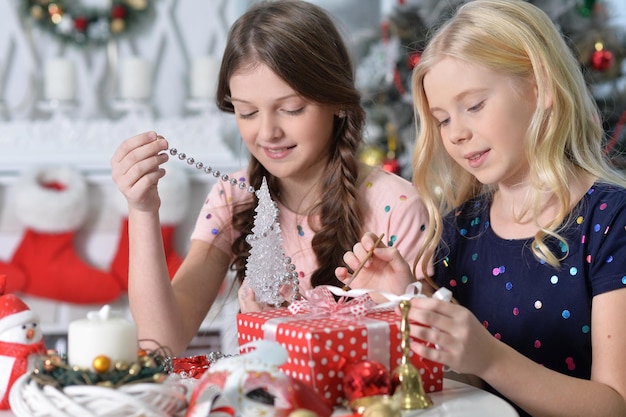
x=267 y=268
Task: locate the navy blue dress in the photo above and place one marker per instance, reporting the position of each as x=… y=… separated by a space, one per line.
x=542 y=312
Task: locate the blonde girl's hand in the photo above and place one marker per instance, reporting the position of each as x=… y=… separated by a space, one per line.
x=386 y=270
x=136 y=169
x=452 y=336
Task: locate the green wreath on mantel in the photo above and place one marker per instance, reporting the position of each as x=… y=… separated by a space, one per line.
x=73 y=23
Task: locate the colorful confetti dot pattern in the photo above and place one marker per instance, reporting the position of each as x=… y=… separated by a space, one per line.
x=542 y=312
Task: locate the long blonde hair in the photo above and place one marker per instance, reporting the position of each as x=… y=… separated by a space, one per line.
x=517 y=39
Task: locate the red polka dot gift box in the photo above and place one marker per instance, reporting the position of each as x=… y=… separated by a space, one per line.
x=322 y=336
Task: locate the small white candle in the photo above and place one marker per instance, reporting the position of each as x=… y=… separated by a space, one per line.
x=204 y=73
x=1 y=80
x=102 y=333
x=60 y=80
x=136 y=79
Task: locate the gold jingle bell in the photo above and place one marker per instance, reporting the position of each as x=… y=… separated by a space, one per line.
x=409 y=393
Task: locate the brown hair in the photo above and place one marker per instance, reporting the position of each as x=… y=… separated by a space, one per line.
x=300 y=43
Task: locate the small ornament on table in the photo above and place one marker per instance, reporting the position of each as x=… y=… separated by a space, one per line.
x=366 y=378
x=409 y=393
x=268 y=270
x=21 y=341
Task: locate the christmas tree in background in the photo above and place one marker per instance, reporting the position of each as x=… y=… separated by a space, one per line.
x=384 y=71
x=266 y=267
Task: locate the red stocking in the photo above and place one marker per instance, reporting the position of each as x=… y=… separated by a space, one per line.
x=16 y=278
x=119 y=265
x=174 y=193
x=52 y=204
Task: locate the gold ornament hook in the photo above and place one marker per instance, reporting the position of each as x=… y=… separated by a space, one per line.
x=409 y=393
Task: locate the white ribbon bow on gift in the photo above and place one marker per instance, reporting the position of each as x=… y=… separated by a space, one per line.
x=320 y=301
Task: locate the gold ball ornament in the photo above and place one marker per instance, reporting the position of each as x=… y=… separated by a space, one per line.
x=380 y=410
x=36 y=12
x=375 y=406
x=101 y=363
x=134 y=369
x=117 y=25
x=372 y=155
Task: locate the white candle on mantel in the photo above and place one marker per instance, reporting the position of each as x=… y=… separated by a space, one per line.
x=136 y=79
x=60 y=80
x=1 y=80
x=204 y=73
x=102 y=333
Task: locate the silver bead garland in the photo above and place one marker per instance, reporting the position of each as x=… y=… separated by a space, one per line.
x=291 y=275
x=208 y=170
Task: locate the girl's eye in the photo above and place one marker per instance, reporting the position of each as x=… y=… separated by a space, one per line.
x=247 y=115
x=443 y=122
x=477 y=107
x=295 y=112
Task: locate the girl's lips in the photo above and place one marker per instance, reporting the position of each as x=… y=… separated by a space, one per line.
x=278 y=153
x=476 y=159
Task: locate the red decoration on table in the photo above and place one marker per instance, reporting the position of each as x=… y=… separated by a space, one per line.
x=365 y=379
x=20 y=340
x=191 y=367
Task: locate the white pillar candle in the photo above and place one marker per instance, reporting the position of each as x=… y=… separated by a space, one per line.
x=1 y=80
x=60 y=80
x=102 y=333
x=136 y=79
x=204 y=73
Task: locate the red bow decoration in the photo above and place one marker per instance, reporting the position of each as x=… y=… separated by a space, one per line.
x=321 y=302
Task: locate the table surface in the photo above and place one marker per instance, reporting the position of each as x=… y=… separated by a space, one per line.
x=460 y=400
x=455 y=400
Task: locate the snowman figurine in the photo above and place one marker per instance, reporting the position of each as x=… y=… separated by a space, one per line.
x=21 y=341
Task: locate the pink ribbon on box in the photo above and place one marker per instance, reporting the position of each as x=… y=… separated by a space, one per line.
x=321 y=302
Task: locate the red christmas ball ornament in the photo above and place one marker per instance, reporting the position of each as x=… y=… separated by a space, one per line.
x=80 y=23
x=602 y=59
x=364 y=379
x=414 y=59
x=392 y=165
x=118 y=12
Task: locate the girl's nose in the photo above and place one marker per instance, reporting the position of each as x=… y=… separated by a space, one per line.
x=268 y=128
x=458 y=133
